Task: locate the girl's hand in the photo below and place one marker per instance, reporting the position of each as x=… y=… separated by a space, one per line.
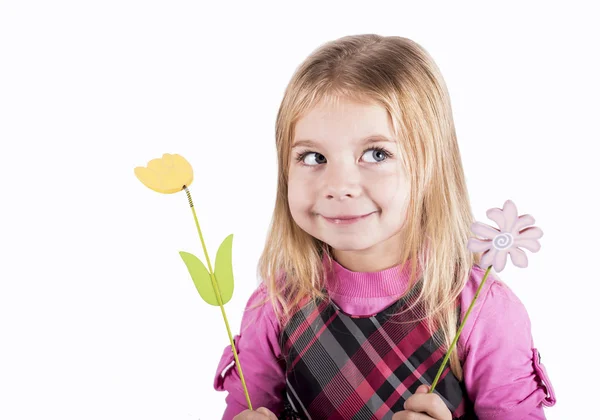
x=424 y=406
x=260 y=414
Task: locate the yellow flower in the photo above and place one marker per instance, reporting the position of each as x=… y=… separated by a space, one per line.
x=166 y=175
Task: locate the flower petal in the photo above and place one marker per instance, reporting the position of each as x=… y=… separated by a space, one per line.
x=518 y=257
x=488 y=258
x=531 y=244
x=166 y=175
x=478 y=245
x=184 y=169
x=157 y=165
x=149 y=178
x=522 y=221
x=510 y=215
x=483 y=230
x=168 y=160
x=496 y=215
x=532 y=232
x=500 y=260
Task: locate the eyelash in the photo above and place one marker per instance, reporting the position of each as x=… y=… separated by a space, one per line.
x=301 y=155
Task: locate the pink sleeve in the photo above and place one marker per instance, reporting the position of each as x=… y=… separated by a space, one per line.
x=260 y=357
x=502 y=371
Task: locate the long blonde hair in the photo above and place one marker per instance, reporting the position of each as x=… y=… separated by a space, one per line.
x=399 y=75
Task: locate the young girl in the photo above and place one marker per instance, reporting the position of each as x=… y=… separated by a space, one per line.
x=366 y=269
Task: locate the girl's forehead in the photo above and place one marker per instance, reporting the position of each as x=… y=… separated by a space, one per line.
x=343 y=118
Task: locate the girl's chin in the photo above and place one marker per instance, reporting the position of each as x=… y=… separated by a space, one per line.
x=347 y=243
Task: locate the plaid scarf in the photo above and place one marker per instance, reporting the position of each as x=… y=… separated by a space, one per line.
x=362 y=368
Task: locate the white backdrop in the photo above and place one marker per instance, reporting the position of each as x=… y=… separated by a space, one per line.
x=99 y=318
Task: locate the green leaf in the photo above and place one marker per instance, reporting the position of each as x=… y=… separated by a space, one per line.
x=224 y=269
x=201 y=277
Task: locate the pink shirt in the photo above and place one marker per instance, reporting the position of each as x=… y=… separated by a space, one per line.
x=502 y=373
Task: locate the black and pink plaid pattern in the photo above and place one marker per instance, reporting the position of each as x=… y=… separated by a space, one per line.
x=342 y=367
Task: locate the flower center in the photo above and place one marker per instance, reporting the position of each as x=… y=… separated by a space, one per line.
x=503 y=241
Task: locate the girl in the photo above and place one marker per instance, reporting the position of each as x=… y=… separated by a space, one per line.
x=366 y=270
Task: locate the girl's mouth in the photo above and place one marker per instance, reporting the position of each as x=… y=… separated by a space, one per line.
x=346 y=220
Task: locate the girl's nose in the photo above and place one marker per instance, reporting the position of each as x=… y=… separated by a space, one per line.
x=341 y=183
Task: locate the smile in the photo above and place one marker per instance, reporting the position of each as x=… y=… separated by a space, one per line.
x=347 y=220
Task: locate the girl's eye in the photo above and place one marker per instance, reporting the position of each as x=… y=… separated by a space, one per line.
x=313 y=158
x=379 y=154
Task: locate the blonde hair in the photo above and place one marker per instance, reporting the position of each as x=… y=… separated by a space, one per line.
x=399 y=75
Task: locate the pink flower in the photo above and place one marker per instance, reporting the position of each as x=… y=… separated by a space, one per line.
x=496 y=244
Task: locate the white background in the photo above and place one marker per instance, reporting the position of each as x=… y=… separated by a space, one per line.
x=99 y=318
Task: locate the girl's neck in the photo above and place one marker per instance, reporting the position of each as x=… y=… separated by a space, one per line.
x=365 y=261
x=355 y=285
x=380 y=256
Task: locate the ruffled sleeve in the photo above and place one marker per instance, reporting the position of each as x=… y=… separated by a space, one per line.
x=260 y=357
x=503 y=373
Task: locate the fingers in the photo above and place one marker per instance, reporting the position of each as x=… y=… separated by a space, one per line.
x=260 y=414
x=267 y=413
x=430 y=404
x=410 y=415
x=423 y=389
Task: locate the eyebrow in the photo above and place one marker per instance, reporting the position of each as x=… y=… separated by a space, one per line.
x=368 y=140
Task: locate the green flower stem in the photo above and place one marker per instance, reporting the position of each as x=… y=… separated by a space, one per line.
x=218 y=293
x=441 y=369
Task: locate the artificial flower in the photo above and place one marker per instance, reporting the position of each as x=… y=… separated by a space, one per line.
x=508 y=239
x=166 y=175
x=171 y=174
x=495 y=245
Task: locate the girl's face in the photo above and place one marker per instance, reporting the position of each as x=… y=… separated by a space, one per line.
x=345 y=163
